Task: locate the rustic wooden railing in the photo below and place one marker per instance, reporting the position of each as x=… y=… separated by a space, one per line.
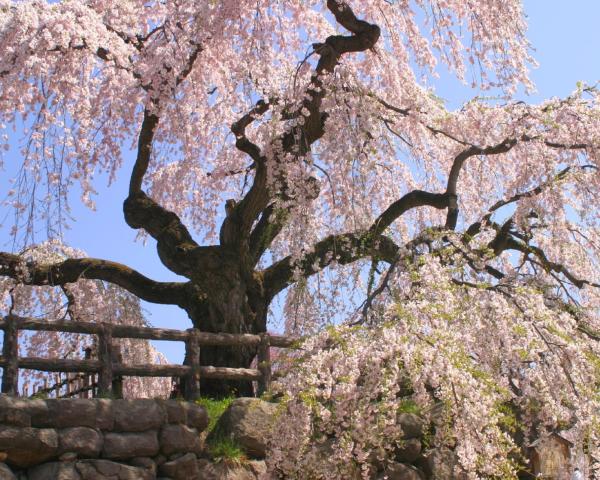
x=68 y=384
x=108 y=369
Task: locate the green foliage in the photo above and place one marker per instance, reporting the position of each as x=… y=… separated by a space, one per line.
x=508 y=419
x=409 y=406
x=225 y=449
x=214 y=409
x=40 y=395
x=220 y=446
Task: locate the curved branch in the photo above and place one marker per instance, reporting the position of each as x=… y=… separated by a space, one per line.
x=502 y=147
x=239 y=130
x=341 y=249
x=457 y=164
x=299 y=139
x=348 y=247
x=174 y=241
x=73 y=269
x=413 y=199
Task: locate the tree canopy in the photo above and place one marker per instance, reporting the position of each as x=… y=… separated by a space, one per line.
x=289 y=147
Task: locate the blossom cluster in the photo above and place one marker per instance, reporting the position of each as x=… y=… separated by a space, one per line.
x=488 y=369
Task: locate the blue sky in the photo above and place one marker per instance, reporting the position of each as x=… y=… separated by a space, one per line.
x=566 y=38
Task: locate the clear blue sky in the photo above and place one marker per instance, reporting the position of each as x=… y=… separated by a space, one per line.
x=565 y=35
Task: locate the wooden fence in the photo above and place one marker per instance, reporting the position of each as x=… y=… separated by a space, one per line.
x=68 y=384
x=109 y=367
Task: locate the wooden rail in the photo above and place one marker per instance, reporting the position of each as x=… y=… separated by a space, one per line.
x=109 y=367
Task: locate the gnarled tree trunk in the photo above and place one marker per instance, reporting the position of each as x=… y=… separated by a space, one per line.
x=229 y=301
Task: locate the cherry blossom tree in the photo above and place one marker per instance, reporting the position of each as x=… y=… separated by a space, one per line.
x=489 y=369
x=83 y=301
x=288 y=149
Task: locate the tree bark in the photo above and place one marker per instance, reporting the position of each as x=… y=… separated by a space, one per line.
x=234 y=304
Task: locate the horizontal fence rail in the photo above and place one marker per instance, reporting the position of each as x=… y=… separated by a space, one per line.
x=109 y=367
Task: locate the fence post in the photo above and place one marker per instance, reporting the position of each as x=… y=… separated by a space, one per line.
x=105 y=355
x=57 y=384
x=10 y=352
x=264 y=363
x=117 y=383
x=85 y=382
x=191 y=382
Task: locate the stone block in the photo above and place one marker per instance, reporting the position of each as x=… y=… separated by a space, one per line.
x=68 y=457
x=107 y=470
x=54 y=471
x=441 y=464
x=84 y=441
x=6 y=473
x=105 y=416
x=129 y=445
x=175 y=411
x=248 y=422
x=12 y=415
x=138 y=415
x=412 y=425
x=144 y=462
x=195 y=416
x=69 y=412
x=183 y=468
x=224 y=471
x=179 y=438
x=26 y=446
x=19 y=411
x=399 y=471
x=409 y=451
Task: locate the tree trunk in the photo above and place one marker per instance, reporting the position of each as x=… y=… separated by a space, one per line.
x=233 y=304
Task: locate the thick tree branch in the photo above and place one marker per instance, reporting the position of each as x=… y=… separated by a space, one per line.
x=73 y=269
x=239 y=130
x=348 y=247
x=174 y=239
x=144 y=151
x=267 y=228
x=341 y=249
x=414 y=199
x=457 y=164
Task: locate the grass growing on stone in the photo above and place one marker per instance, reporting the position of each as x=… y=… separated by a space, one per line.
x=225 y=449
x=220 y=446
x=214 y=409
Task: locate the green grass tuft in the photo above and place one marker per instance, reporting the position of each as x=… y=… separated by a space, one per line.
x=409 y=406
x=214 y=408
x=225 y=449
x=220 y=447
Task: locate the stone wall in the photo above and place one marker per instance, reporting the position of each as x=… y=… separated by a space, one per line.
x=99 y=439
x=81 y=439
